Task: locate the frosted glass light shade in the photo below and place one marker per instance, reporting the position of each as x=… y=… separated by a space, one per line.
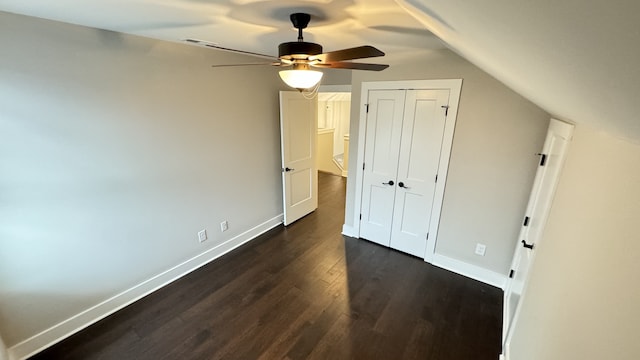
x=301 y=79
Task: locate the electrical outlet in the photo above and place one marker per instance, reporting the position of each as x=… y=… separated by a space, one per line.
x=224 y=226
x=202 y=235
x=480 y=249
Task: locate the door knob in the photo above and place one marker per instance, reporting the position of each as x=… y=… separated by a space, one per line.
x=389 y=183
x=401 y=184
x=288 y=169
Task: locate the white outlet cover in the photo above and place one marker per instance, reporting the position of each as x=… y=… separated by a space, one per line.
x=224 y=226
x=481 y=249
x=202 y=235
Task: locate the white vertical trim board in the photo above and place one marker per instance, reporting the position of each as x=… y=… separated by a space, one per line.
x=540 y=206
x=350 y=231
x=454 y=86
x=82 y=320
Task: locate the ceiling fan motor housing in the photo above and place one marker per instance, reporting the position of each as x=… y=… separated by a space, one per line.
x=302 y=48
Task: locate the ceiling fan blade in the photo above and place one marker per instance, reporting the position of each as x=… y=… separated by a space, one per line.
x=250 y=64
x=352 y=65
x=359 y=52
x=212 y=45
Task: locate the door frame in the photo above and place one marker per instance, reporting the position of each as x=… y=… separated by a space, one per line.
x=454 y=86
x=565 y=130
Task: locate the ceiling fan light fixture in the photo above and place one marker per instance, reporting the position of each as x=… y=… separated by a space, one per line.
x=301 y=79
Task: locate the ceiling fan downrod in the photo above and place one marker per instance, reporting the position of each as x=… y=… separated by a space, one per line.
x=300 y=21
x=300 y=49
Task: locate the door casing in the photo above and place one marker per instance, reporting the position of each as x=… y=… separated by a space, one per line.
x=555 y=150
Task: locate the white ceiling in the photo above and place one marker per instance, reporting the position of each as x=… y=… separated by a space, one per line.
x=577 y=59
x=257 y=26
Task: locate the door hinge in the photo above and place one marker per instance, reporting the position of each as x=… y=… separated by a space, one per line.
x=360 y=216
x=511 y=274
x=528 y=246
x=543 y=159
x=436 y=177
x=367 y=105
x=362 y=166
x=446 y=109
x=427 y=236
x=526 y=221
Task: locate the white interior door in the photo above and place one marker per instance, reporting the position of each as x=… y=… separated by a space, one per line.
x=547 y=176
x=383 y=133
x=404 y=136
x=422 y=136
x=298 y=123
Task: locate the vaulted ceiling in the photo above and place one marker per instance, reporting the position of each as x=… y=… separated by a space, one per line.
x=577 y=59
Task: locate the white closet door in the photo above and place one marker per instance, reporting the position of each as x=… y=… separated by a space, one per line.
x=383 y=132
x=420 y=147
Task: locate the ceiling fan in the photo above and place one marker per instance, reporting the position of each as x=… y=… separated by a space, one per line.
x=302 y=56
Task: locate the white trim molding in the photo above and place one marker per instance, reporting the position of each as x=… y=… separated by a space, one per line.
x=98 y=312
x=471 y=271
x=348 y=230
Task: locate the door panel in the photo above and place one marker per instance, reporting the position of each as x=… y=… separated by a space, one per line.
x=383 y=130
x=298 y=118
x=412 y=223
x=379 y=214
x=422 y=136
x=386 y=133
x=298 y=143
x=299 y=186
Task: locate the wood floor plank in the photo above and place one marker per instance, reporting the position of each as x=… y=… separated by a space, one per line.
x=303 y=292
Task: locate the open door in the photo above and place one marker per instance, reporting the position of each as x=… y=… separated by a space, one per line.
x=550 y=165
x=298 y=127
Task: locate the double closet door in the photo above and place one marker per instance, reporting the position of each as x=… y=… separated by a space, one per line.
x=403 y=142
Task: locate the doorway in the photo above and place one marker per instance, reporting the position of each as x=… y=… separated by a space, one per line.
x=334 y=114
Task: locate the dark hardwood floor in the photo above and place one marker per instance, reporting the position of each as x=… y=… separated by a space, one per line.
x=304 y=292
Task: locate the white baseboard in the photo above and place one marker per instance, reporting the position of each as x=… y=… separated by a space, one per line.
x=471 y=271
x=82 y=320
x=348 y=230
x=459 y=267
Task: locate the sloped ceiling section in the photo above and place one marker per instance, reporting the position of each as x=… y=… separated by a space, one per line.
x=577 y=59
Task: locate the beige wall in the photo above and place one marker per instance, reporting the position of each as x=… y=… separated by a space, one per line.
x=493 y=158
x=3 y=351
x=115 y=151
x=583 y=299
x=336 y=77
